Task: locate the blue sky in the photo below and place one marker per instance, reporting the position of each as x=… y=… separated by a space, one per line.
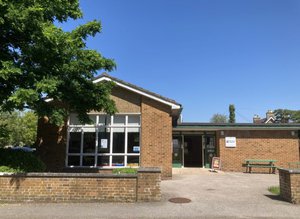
x=205 y=54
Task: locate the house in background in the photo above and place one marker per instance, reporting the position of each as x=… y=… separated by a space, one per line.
x=270 y=118
x=147 y=132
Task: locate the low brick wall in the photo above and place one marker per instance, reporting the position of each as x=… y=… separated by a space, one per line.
x=81 y=187
x=289 y=181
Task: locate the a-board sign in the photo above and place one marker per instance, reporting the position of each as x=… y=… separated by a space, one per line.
x=216 y=163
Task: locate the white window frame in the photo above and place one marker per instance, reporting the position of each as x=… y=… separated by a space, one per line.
x=111 y=127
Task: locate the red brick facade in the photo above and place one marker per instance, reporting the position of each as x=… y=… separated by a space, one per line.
x=156 y=136
x=258 y=144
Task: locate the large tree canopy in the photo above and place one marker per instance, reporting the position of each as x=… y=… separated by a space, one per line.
x=39 y=61
x=287 y=116
x=18 y=128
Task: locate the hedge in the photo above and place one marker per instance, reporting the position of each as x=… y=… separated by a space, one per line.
x=20 y=161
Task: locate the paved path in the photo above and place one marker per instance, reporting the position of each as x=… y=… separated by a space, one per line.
x=213 y=195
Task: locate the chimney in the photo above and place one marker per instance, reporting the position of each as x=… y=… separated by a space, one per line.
x=270 y=114
x=256 y=119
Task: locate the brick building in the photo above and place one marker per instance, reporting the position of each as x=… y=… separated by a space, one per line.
x=146 y=132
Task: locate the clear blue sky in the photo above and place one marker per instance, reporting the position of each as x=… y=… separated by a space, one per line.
x=205 y=54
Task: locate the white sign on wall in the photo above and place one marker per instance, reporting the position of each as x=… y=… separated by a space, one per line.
x=230 y=142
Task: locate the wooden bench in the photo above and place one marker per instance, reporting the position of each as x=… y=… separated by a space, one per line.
x=258 y=163
x=294 y=165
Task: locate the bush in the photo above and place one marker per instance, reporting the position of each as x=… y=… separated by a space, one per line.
x=20 y=161
x=125 y=170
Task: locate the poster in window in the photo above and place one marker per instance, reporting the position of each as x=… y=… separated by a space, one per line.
x=103 y=143
x=136 y=148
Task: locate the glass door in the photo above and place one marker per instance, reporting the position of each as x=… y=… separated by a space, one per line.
x=177 y=152
x=209 y=150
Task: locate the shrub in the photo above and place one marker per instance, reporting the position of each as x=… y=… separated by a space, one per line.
x=125 y=170
x=19 y=161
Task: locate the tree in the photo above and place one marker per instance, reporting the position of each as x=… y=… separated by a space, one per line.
x=19 y=127
x=287 y=116
x=39 y=61
x=231 y=113
x=219 y=118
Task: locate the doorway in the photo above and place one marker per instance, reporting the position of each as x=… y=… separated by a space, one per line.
x=193 y=151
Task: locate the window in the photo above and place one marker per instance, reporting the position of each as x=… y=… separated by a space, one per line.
x=111 y=141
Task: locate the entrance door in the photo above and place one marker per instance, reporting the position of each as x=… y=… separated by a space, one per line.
x=209 y=150
x=192 y=151
x=177 y=152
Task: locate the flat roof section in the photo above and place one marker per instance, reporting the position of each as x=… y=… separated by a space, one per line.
x=194 y=126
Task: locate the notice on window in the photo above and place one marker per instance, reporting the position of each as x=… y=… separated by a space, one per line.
x=230 y=142
x=136 y=148
x=103 y=143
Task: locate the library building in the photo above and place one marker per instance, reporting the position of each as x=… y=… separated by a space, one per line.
x=147 y=132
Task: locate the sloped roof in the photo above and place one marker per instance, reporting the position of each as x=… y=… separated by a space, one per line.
x=139 y=90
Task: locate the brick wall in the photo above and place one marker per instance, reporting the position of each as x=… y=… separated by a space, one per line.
x=258 y=144
x=289 y=181
x=81 y=187
x=156 y=136
x=149 y=184
x=126 y=101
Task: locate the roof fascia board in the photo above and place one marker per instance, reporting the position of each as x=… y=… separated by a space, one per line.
x=174 y=106
x=235 y=128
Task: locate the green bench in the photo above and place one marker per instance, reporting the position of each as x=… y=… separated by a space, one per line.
x=259 y=163
x=294 y=165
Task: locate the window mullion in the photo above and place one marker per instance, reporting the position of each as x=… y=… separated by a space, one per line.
x=96 y=142
x=126 y=138
x=111 y=140
x=81 y=146
x=67 y=148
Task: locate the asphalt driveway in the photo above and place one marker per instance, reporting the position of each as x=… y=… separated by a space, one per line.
x=213 y=195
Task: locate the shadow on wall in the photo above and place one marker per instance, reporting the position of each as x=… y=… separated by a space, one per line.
x=17 y=179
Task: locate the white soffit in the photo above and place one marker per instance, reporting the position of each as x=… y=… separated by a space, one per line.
x=174 y=106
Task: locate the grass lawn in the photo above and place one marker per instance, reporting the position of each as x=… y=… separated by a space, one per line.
x=274 y=190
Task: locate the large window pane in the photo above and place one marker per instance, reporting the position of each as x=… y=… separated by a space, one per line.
x=89 y=142
x=93 y=118
x=133 y=142
x=104 y=120
x=118 y=140
x=88 y=161
x=103 y=161
x=74 y=161
x=75 y=121
x=119 y=120
x=118 y=161
x=103 y=140
x=133 y=161
x=134 y=120
x=74 y=142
